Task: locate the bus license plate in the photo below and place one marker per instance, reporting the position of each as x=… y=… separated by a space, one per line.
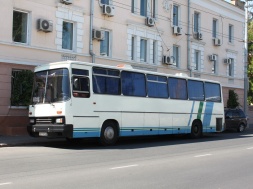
x=43 y=134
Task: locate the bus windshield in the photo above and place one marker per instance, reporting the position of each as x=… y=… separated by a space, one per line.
x=51 y=86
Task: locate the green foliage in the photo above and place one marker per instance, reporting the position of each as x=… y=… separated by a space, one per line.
x=22 y=88
x=232 y=101
x=250 y=62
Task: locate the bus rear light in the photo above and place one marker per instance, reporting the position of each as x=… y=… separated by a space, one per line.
x=30 y=113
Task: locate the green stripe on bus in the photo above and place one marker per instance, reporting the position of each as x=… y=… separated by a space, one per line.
x=200 y=110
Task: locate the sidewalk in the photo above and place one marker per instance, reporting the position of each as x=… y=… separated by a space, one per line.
x=6 y=141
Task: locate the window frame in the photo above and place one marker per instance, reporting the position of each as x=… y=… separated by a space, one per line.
x=231 y=68
x=27 y=27
x=133 y=94
x=106 y=76
x=150 y=81
x=143 y=50
x=215 y=28
x=174 y=96
x=231 y=33
x=197 y=55
x=175 y=15
x=106 y=42
x=72 y=43
x=196 y=24
x=177 y=55
x=189 y=88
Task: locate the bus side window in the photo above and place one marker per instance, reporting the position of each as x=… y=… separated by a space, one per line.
x=81 y=87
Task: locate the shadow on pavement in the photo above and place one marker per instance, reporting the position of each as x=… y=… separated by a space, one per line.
x=143 y=142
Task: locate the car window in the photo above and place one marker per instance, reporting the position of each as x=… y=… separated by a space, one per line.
x=241 y=113
x=229 y=114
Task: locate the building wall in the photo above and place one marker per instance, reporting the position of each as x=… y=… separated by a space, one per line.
x=43 y=47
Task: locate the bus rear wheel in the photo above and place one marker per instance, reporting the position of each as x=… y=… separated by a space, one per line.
x=196 y=130
x=109 y=133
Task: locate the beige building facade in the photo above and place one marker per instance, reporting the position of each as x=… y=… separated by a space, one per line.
x=202 y=39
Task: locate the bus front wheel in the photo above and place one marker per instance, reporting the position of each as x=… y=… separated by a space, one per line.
x=109 y=133
x=196 y=130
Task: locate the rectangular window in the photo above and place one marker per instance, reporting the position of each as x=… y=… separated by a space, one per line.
x=133 y=48
x=67 y=35
x=154 y=52
x=133 y=84
x=132 y=6
x=212 y=92
x=231 y=33
x=197 y=59
x=231 y=68
x=143 y=50
x=214 y=28
x=157 y=86
x=105 y=2
x=19 y=27
x=105 y=45
x=80 y=72
x=214 y=68
x=177 y=88
x=147 y=8
x=81 y=87
x=175 y=15
x=143 y=7
x=195 y=90
x=81 y=84
x=106 y=81
x=176 y=55
x=196 y=22
x=21 y=87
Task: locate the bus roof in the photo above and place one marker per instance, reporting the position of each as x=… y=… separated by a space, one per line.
x=125 y=67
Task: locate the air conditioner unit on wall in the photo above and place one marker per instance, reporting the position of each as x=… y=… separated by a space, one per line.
x=67 y=2
x=44 y=25
x=217 y=42
x=150 y=21
x=228 y=60
x=213 y=57
x=198 y=36
x=168 y=60
x=108 y=10
x=98 y=34
x=177 y=30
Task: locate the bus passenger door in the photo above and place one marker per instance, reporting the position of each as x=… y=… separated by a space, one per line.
x=85 y=123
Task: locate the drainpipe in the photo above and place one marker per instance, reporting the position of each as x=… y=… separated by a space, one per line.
x=91 y=27
x=188 y=41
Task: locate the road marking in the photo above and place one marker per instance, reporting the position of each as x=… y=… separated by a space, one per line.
x=203 y=155
x=250 y=148
x=122 y=167
x=6 y=183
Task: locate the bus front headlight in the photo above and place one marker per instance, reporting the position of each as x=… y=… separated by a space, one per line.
x=32 y=121
x=59 y=120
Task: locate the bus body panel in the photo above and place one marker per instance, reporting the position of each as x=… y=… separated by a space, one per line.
x=135 y=116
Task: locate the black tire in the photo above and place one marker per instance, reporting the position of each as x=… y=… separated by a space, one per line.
x=196 y=130
x=109 y=134
x=241 y=128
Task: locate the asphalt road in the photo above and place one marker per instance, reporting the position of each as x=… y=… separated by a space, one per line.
x=216 y=161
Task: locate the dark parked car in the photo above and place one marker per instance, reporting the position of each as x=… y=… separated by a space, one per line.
x=235 y=119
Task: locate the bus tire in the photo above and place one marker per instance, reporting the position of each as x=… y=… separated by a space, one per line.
x=196 y=129
x=109 y=133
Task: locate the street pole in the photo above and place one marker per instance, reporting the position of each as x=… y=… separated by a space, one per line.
x=245 y=104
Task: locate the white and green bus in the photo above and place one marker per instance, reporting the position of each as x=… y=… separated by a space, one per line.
x=80 y=100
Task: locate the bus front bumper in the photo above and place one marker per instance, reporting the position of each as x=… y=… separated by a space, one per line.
x=51 y=131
